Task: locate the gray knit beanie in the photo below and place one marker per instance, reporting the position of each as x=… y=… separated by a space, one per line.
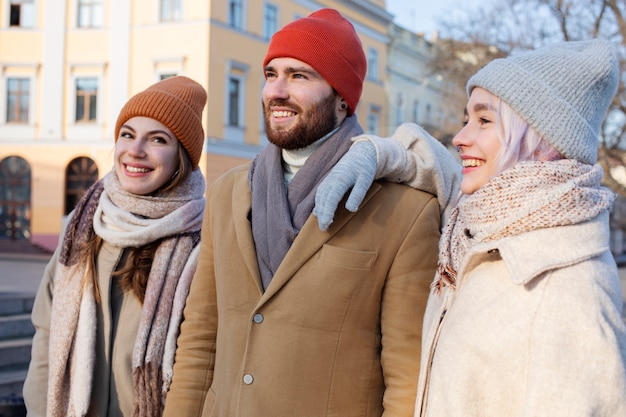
x=563 y=91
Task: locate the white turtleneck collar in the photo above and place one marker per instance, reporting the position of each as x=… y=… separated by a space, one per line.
x=294 y=159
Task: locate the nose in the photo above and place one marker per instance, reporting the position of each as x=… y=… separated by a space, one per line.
x=137 y=147
x=460 y=139
x=275 y=88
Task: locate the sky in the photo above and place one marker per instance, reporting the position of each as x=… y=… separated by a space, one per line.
x=421 y=15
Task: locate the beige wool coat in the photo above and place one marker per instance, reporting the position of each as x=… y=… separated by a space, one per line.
x=336 y=333
x=529 y=331
x=118 y=318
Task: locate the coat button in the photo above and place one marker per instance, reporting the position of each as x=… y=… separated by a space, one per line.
x=248 y=379
x=258 y=318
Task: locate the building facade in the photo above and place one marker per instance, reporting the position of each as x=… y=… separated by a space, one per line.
x=67 y=67
x=414 y=92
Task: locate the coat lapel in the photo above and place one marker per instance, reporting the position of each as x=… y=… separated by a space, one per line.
x=241 y=203
x=308 y=242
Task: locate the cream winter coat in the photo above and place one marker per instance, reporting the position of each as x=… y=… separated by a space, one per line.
x=528 y=331
x=534 y=327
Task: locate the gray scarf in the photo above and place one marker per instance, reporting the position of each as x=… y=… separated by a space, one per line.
x=125 y=220
x=528 y=196
x=279 y=214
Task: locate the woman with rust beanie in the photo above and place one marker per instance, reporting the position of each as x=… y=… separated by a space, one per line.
x=110 y=302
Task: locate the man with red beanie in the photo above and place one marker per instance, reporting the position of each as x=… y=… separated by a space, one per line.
x=284 y=319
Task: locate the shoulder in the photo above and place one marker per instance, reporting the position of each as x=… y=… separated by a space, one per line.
x=390 y=205
x=234 y=176
x=392 y=195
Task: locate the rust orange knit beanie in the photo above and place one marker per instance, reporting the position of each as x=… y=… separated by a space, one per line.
x=177 y=102
x=328 y=42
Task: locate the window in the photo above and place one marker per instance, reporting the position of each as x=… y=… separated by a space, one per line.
x=235 y=100
x=399 y=102
x=15 y=187
x=18 y=98
x=22 y=13
x=86 y=99
x=90 y=13
x=372 y=64
x=416 y=109
x=80 y=174
x=270 y=20
x=373 y=120
x=234 y=94
x=171 y=10
x=235 y=13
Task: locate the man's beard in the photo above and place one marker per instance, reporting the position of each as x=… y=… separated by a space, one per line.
x=311 y=126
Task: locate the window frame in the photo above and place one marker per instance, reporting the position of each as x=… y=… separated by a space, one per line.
x=373 y=119
x=236 y=14
x=18 y=70
x=236 y=70
x=373 y=63
x=271 y=20
x=89 y=8
x=18 y=103
x=90 y=99
x=170 y=11
x=26 y=14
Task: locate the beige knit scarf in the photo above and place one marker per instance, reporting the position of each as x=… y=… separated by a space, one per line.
x=530 y=195
x=125 y=220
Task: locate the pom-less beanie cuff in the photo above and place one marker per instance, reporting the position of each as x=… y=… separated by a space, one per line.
x=563 y=91
x=327 y=42
x=177 y=102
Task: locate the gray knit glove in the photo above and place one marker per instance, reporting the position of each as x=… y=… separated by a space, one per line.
x=355 y=169
x=410 y=156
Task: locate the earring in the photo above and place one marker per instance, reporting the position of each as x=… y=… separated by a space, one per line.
x=458 y=149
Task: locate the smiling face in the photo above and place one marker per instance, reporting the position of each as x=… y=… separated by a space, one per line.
x=478 y=141
x=299 y=106
x=146 y=155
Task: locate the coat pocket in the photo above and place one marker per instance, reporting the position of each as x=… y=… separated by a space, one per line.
x=348 y=257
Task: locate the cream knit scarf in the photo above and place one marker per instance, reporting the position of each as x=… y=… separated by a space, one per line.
x=125 y=220
x=528 y=196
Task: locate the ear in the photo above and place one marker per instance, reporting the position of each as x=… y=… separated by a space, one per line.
x=343 y=106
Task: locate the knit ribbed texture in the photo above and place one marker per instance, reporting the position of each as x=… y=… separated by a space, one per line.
x=177 y=102
x=531 y=195
x=328 y=42
x=563 y=91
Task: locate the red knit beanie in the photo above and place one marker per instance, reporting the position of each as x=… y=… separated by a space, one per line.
x=328 y=42
x=177 y=102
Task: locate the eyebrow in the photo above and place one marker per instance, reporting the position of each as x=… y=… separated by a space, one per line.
x=152 y=132
x=294 y=70
x=126 y=127
x=478 y=107
x=481 y=107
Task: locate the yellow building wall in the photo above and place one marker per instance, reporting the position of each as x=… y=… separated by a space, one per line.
x=200 y=46
x=48 y=163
